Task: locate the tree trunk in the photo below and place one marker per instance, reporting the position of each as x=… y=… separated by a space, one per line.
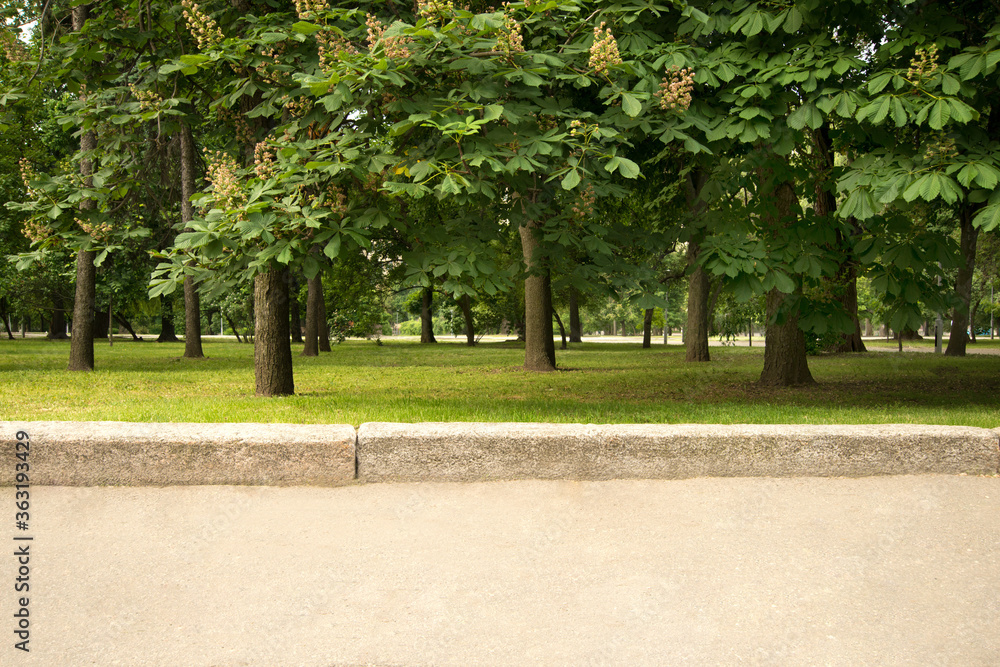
x=562 y=329
x=192 y=299
x=6 y=318
x=57 y=318
x=846 y=280
x=958 y=338
x=122 y=322
x=785 y=360
x=851 y=342
x=696 y=331
x=236 y=332
x=294 y=316
x=314 y=308
x=426 y=316
x=575 y=326
x=101 y=327
x=81 y=350
x=272 y=350
x=647 y=329
x=972 y=321
x=324 y=326
x=167 y=332
x=465 y=303
x=539 y=346
x=192 y=321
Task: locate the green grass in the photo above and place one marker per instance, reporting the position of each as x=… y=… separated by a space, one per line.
x=407 y=382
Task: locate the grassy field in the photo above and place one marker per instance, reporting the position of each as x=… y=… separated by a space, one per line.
x=407 y=382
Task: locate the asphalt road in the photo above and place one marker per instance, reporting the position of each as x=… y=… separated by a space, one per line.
x=801 y=571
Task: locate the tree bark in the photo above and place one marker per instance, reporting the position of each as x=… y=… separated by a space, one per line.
x=192 y=299
x=167 y=332
x=958 y=338
x=101 y=326
x=785 y=360
x=314 y=308
x=696 y=331
x=465 y=303
x=324 y=326
x=294 y=316
x=575 y=326
x=81 y=350
x=236 y=332
x=272 y=350
x=6 y=318
x=57 y=318
x=539 y=346
x=562 y=329
x=426 y=316
x=128 y=327
x=972 y=321
x=647 y=329
x=846 y=280
x=850 y=342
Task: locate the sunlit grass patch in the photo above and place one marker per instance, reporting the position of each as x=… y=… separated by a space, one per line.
x=407 y=382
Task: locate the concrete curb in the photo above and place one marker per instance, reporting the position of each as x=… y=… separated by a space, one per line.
x=480 y=451
x=167 y=454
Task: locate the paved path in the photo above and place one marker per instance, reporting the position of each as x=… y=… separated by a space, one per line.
x=805 y=571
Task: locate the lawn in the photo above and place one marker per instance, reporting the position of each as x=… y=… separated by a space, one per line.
x=407 y=382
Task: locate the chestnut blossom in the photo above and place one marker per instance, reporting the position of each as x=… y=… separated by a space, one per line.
x=510 y=40
x=924 y=63
x=604 y=51
x=675 y=90
x=393 y=47
x=202 y=26
x=223 y=174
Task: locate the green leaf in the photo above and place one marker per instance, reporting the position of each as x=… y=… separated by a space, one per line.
x=879 y=82
x=285 y=256
x=988 y=218
x=797 y=119
x=967 y=173
x=306 y=28
x=332 y=248
x=988 y=176
x=939 y=114
x=628 y=168
x=532 y=79
x=949 y=84
x=883 y=110
x=571 y=179
x=630 y=105
x=962 y=112
x=793 y=20
x=754 y=25
x=783 y=282
x=193 y=59
x=973 y=66
x=898 y=112
x=913 y=191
